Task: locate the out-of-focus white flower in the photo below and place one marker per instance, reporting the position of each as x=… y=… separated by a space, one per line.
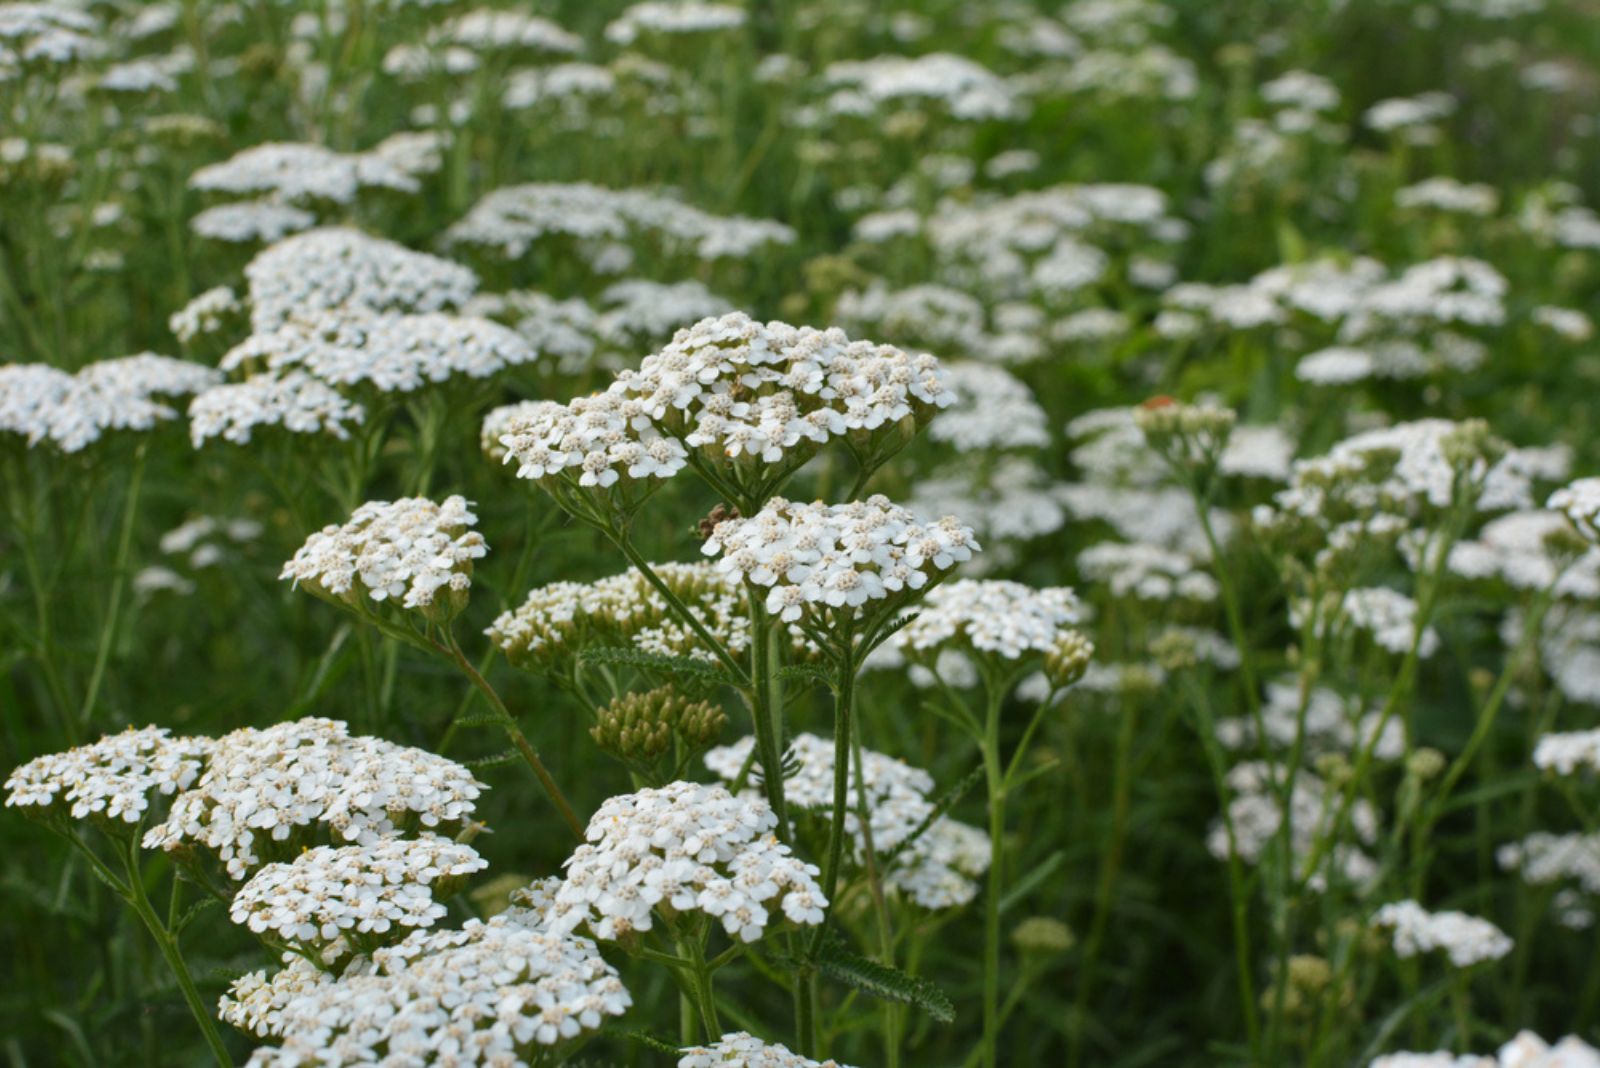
x=1466 y=940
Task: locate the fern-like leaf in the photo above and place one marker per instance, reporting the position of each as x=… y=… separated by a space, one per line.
x=881 y=981
x=509 y=756
x=682 y=666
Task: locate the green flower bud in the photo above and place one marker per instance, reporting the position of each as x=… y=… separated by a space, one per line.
x=640 y=728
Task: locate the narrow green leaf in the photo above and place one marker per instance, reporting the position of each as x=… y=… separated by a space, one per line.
x=1026 y=884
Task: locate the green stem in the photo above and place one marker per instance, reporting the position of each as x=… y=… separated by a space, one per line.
x=108 y=631
x=170 y=952
x=452 y=650
x=994 y=777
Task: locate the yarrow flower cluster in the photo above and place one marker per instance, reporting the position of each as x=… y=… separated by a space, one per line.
x=112 y=779
x=342 y=270
x=1466 y=940
x=1580 y=502
x=936 y=869
x=592 y=443
x=1568 y=753
x=684 y=848
x=1526 y=1050
x=1257 y=817
x=390 y=353
x=295 y=401
x=816 y=557
x=73 y=411
x=493 y=994
x=746 y=395
x=262 y=791
x=1000 y=618
x=513 y=219
x=740 y=1049
x=360 y=893
x=301 y=172
x=562 y=619
x=406 y=550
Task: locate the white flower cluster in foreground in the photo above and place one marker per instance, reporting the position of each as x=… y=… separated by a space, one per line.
x=684 y=847
x=406 y=550
x=354 y=891
x=337 y=269
x=261 y=788
x=1466 y=940
x=740 y=1049
x=936 y=870
x=489 y=994
x=512 y=219
x=837 y=556
x=295 y=401
x=73 y=411
x=1526 y=1050
x=734 y=387
x=601 y=439
x=391 y=353
x=1003 y=618
x=111 y=779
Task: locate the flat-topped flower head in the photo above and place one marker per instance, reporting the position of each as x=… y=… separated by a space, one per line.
x=1466 y=940
x=592 y=452
x=74 y=411
x=599 y=223
x=997 y=618
x=366 y=895
x=265 y=793
x=341 y=270
x=755 y=401
x=740 y=1049
x=497 y=424
x=495 y=993
x=292 y=401
x=816 y=559
x=684 y=848
x=386 y=353
x=412 y=551
x=936 y=869
x=558 y=621
x=301 y=173
x=112 y=779
x=993 y=410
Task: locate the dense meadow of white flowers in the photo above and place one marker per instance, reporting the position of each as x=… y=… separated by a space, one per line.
x=837 y=533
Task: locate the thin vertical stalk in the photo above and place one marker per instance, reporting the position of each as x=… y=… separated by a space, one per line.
x=108 y=631
x=994 y=778
x=518 y=740
x=171 y=954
